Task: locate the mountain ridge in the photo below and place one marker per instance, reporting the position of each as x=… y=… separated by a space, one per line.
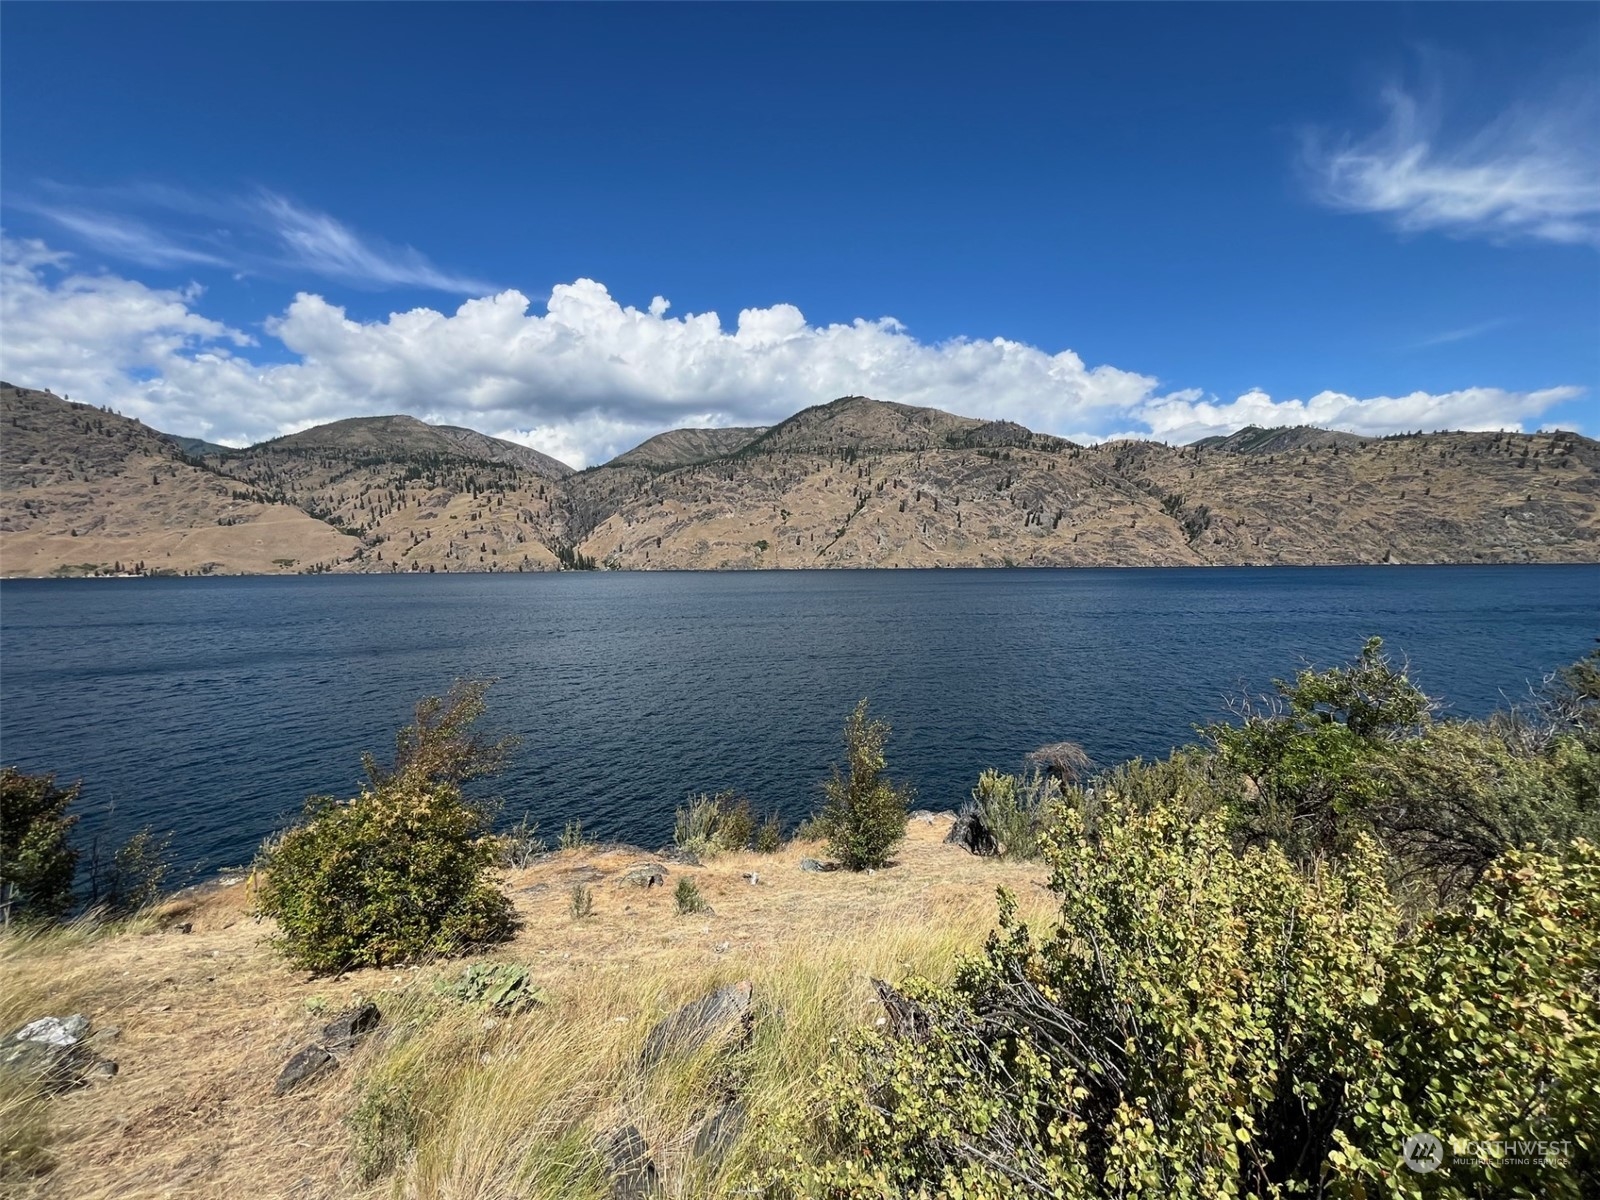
x=852 y=483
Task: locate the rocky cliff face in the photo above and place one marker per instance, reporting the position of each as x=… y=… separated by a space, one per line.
x=854 y=483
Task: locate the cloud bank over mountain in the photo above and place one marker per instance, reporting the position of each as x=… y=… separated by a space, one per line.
x=591 y=377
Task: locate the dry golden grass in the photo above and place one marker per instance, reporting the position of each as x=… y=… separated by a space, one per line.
x=472 y=1106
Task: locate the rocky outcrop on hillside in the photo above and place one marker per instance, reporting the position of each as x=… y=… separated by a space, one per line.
x=852 y=483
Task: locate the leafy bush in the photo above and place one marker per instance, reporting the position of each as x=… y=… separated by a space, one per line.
x=864 y=815
x=687 y=896
x=401 y=871
x=1461 y=794
x=1013 y=811
x=573 y=837
x=709 y=825
x=1310 y=755
x=1201 y=1022
x=505 y=987
x=132 y=880
x=769 y=838
x=1487 y=1034
x=37 y=859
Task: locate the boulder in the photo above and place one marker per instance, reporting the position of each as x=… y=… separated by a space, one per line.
x=647 y=876
x=812 y=864
x=339 y=1037
x=309 y=1064
x=970 y=832
x=345 y=1030
x=719 y=1131
x=52 y=1053
x=628 y=1164
x=724 y=1014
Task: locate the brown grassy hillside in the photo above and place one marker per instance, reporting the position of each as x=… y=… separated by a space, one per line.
x=83 y=490
x=853 y=483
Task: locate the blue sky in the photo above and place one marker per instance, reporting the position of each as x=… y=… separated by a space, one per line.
x=1393 y=207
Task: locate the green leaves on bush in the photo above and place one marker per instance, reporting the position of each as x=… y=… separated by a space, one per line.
x=1310 y=755
x=1015 y=811
x=1205 y=1023
x=709 y=825
x=37 y=858
x=401 y=871
x=1487 y=1034
x=504 y=987
x=687 y=897
x=864 y=815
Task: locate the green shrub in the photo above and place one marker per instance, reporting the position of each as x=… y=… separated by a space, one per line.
x=709 y=825
x=132 y=880
x=1201 y=1022
x=864 y=815
x=37 y=859
x=769 y=838
x=1464 y=792
x=1014 y=811
x=581 y=901
x=1487 y=1033
x=504 y=987
x=400 y=872
x=573 y=837
x=687 y=896
x=385 y=1126
x=737 y=825
x=1311 y=756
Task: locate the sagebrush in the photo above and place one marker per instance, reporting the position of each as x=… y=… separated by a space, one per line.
x=403 y=870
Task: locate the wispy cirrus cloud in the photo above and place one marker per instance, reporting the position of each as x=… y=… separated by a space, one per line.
x=1464 y=334
x=1532 y=173
x=129 y=239
x=261 y=232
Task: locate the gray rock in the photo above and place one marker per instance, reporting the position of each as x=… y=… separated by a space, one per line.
x=724 y=1014
x=970 y=833
x=310 y=1064
x=345 y=1030
x=648 y=876
x=812 y=864
x=51 y=1053
x=628 y=1164
x=339 y=1037
x=924 y=815
x=719 y=1131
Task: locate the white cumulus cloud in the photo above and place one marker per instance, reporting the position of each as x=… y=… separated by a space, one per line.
x=591 y=377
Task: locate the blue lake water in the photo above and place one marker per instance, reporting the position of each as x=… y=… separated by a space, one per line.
x=213 y=707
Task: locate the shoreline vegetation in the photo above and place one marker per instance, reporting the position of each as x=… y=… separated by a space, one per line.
x=1341 y=945
x=852 y=483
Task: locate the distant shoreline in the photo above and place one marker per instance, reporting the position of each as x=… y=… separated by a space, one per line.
x=828 y=570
